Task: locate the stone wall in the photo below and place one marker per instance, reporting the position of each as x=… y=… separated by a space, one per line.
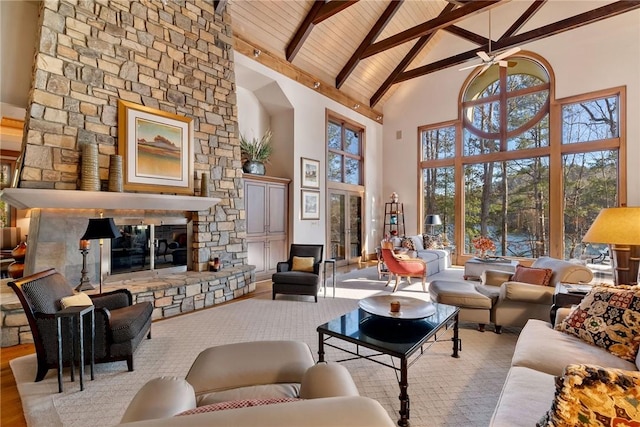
x=177 y=58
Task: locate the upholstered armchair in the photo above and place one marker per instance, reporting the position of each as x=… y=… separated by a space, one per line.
x=119 y=324
x=516 y=299
x=403 y=266
x=300 y=274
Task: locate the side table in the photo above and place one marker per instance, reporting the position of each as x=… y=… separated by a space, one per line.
x=75 y=316
x=563 y=298
x=331 y=261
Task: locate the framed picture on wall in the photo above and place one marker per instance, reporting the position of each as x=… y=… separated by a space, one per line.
x=310 y=204
x=310 y=171
x=156 y=148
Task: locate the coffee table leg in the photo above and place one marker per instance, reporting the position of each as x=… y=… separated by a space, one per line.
x=456 y=338
x=405 y=405
x=320 y=347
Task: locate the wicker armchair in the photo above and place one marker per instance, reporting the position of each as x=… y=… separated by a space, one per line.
x=119 y=325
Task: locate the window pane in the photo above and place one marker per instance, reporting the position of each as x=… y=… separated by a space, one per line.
x=352 y=171
x=334 y=135
x=438 y=143
x=590 y=120
x=537 y=136
x=474 y=145
x=484 y=117
x=438 y=198
x=522 y=109
x=352 y=141
x=509 y=203
x=334 y=166
x=590 y=184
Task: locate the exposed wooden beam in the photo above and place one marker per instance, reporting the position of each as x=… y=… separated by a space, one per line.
x=467 y=35
x=430 y=26
x=375 y=31
x=590 y=17
x=420 y=44
x=219 y=6
x=318 y=13
x=523 y=19
x=289 y=70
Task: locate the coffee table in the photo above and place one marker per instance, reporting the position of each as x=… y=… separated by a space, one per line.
x=474 y=268
x=403 y=339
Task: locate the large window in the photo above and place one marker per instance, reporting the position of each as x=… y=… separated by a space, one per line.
x=344 y=158
x=529 y=175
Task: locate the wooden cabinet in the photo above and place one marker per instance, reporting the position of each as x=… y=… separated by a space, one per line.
x=266 y=204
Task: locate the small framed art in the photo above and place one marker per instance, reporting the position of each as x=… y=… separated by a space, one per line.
x=310 y=171
x=310 y=204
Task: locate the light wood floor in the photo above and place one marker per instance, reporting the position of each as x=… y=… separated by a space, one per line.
x=11 y=413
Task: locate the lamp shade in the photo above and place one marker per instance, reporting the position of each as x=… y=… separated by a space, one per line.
x=615 y=226
x=433 y=220
x=101 y=228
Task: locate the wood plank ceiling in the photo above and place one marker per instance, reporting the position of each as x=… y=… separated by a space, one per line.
x=364 y=49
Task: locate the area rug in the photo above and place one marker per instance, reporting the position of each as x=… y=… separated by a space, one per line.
x=444 y=391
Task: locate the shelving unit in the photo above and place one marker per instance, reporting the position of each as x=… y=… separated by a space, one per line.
x=393 y=219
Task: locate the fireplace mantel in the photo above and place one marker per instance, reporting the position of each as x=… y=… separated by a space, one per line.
x=27 y=198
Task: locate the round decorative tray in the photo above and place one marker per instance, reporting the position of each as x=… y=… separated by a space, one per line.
x=410 y=308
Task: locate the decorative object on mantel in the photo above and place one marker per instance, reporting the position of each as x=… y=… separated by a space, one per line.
x=215 y=264
x=16 y=268
x=85 y=282
x=394 y=197
x=256 y=153
x=99 y=228
x=204 y=184
x=90 y=174
x=115 y=173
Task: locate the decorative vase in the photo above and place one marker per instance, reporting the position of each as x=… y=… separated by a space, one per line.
x=115 y=173
x=254 y=167
x=16 y=268
x=90 y=174
x=204 y=185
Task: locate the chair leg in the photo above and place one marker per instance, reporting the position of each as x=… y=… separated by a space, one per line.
x=481 y=327
x=273 y=295
x=316 y=298
x=149 y=334
x=395 y=288
x=498 y=329
x=42 y=371
x=424 y=284
x=388 y=280
x=408 y=280
x=130 y=363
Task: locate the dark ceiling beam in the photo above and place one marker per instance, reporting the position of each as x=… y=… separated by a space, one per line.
x=430 y=26
x=590 y=17
x=523 y=19
x=375 y=31
x=219 y=5
x=467 y=35
x=406 y=61
x=318 y=13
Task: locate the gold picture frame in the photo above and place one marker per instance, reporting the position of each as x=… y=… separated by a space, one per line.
x=156 y=148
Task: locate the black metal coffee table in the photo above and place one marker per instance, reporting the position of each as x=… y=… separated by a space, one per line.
x=390 y=336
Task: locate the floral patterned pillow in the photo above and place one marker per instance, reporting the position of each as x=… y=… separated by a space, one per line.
x=589 y=395
x=431 y=241
x=608 y=317
x=407 y=242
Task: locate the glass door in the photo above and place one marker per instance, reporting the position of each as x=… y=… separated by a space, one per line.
x=345 y=227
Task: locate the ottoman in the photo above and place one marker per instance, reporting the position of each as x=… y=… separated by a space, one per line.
x=474 y=307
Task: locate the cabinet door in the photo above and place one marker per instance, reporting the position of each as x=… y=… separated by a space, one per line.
x=277 y=251
x=257 y=255
x=255 y=204
x=277 y=209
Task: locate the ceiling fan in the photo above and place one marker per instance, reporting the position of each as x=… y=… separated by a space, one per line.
x=488 y=59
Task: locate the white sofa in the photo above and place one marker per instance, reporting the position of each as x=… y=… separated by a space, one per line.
x=437 y=259
x=541 y=354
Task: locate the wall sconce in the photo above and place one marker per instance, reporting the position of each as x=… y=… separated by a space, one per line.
x=256 y=52
x=316 y=85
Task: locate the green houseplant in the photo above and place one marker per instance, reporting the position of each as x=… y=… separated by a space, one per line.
x=256 y=152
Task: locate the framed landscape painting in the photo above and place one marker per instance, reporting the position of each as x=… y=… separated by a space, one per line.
x=310 y=170
x=157 y=149
x=310 y=204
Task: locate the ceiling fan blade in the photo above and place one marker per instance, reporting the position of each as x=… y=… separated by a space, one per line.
x=484 y=56
x=503 y=63
x=485 y=68
x=507 y=53
x=469 y=67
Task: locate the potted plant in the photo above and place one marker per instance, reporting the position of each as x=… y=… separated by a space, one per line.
x=256 y=153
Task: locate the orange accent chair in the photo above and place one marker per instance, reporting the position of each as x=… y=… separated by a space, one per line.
x=403 y=266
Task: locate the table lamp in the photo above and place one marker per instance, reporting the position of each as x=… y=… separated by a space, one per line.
x=620 y=229
x=432 y=221
x=99 y=228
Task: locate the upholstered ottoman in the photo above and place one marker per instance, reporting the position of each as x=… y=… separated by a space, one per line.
x=474 y=307
x=249 y=370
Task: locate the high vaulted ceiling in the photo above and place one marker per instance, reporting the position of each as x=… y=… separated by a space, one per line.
x=366 y=48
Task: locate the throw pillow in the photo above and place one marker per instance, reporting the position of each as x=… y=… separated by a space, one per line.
x=589 y=395
x=534 y=276
x=608 y=317
x=78 y=299
x=431 y=241
x=235 y=404
x=302 y=264
x=407 y=242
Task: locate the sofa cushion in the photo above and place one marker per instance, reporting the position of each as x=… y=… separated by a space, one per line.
x=608 y=317
x=431 y=241
x=235 y=404
x=595 y=396
x=534 y=276
x=542 y=348
x=127 y=322
x=302 y=264
x=418 y=243
x=407 y=242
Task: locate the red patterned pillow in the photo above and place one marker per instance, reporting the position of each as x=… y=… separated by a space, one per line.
x=608 y=317
x=235 y=404
x=534 y=276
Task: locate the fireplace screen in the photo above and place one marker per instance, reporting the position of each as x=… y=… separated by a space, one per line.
x=148 y=247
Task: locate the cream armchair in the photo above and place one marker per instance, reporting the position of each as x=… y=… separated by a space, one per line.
x=516 y=302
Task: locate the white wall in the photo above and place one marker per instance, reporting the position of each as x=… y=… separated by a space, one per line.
x=594 y=57
x=308 y=139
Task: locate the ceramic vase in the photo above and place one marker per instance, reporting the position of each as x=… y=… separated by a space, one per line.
x=256 y=168
x=90 y=173
x=115 y=173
